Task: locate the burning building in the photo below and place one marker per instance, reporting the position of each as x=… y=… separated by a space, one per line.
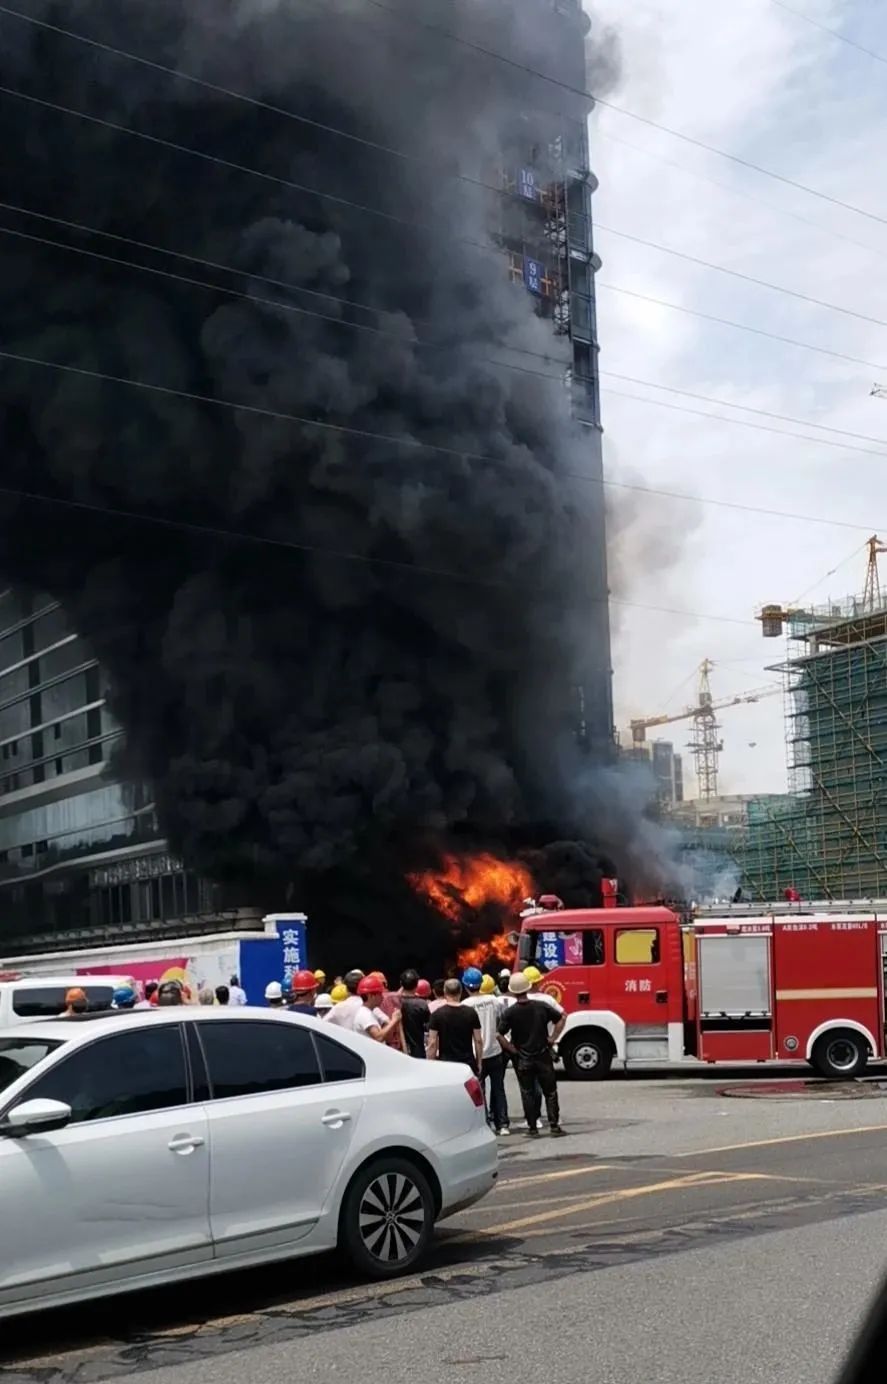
x=301 y=437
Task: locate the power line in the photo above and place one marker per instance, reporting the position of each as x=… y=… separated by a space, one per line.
x=380 y=312
x=405 y=17
x=737 y=274
x=416 y=225
x=842 y=38
x=211 y=531
x=331 y=129
x=744 y=423
x=414 y=443
x=746 y=408
x=543 y=374
x=738 y=192
x=287 y=307
x=425 y=446
x=737 y=326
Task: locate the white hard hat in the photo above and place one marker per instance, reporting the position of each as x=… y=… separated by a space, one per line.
x=274 y=990
x=323 y=1002
x=504 y=973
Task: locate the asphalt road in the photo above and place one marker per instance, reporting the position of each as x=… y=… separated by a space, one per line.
x=742 y=1244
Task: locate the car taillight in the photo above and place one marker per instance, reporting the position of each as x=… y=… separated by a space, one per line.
x=472 y=1086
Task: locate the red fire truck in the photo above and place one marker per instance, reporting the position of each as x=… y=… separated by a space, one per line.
x=745 y=983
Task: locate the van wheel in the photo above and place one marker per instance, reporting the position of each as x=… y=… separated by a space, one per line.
x=840 y=1053
x=588 y=1056
x=387 y=1218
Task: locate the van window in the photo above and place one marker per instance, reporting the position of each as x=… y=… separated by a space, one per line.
x=48 y=1001
x=637 y=946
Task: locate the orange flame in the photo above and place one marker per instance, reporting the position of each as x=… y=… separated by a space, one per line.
x=466 y=884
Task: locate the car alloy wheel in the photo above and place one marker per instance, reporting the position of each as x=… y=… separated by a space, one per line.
x=387 y=1217
x=391 y=1217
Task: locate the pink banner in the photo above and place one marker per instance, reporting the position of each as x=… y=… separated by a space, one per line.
x=163 y=968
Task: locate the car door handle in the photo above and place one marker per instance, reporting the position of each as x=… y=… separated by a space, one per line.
x=184 y=1143
x=334 y=1119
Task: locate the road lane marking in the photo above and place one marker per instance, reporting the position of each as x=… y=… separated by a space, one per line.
x=552 y=1177
x=783 y=1139
x=625 y=1194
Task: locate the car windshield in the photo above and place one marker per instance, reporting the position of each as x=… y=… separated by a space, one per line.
x=19 y=1055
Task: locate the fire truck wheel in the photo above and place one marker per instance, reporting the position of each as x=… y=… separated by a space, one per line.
x=840 y=1053
x=588 y=1056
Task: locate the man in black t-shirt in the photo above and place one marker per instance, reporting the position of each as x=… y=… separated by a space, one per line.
x=528 y=1029
x=415 y=1015
x=455 y=1030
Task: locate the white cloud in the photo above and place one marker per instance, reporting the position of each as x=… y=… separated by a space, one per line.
x=753 y=80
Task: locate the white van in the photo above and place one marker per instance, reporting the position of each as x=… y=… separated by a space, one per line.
x=43 y=997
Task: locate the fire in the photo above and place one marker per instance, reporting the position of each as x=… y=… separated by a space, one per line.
x=469 y=885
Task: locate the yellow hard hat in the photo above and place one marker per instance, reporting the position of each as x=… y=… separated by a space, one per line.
x=487 y=985
x=339 y=993
x=533 y=974
x=320 y=975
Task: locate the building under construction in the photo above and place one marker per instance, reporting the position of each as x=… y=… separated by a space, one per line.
x=828 y=837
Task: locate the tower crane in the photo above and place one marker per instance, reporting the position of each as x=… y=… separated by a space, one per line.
x=705 y=744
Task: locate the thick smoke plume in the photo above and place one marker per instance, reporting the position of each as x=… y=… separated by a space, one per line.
x=330 y=652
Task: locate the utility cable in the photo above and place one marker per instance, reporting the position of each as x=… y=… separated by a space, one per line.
x=743 y=423
x=211 y=531
x=824 y=28
x=382 y=312
x=404 y=16
x=485 y=248
x=413 y=443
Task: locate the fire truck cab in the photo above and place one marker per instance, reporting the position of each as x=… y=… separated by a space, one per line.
x=743 y=984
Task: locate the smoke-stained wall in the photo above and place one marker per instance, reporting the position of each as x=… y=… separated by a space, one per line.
x=338 y=559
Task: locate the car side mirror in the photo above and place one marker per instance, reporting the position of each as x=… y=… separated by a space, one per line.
x=35 y=1117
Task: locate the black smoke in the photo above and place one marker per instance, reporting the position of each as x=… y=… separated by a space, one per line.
x=331 y=652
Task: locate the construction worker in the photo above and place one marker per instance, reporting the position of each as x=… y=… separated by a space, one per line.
x=76 y=1003
x=503 y=978
x=347 y=1009
x=528 y=1029
x=455 y=1033
x=416 y=1015
x=274 y=994
x=370 y=1021
x=304 y=992
x=488 y=1007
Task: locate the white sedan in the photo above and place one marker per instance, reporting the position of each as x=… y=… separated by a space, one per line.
x=142 y=1148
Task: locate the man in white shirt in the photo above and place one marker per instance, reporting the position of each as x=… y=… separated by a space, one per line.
x=371 y=1021
x=344 y=1013
x=489 y=1006
x=236 y=992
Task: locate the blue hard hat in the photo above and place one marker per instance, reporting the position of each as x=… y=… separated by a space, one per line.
x=472 y=978
x=124 y=997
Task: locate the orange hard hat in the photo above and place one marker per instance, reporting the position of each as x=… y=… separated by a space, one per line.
x=74 y=994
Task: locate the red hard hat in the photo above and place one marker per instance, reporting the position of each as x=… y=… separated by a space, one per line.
x=423 y=989
x=370 y=985
x=303 y=980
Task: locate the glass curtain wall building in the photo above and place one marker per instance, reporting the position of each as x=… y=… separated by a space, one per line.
x=81 y=856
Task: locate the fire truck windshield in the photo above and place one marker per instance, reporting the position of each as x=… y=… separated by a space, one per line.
x=583 y=947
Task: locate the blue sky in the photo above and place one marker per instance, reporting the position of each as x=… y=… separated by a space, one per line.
x=754 y=80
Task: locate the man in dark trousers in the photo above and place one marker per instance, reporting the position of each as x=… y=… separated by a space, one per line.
x=415 y=1015
x=455 y=1033
x=528 y=1029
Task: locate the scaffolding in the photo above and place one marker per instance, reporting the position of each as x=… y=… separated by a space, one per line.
x=828 y=837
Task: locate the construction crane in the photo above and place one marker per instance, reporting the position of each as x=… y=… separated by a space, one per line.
x=773 y=617
x=705 y=744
